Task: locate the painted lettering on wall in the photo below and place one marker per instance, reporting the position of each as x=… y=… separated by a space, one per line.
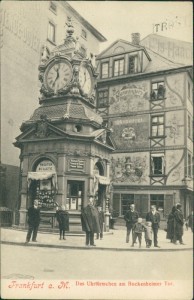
x=131 y=132
x=76 y=164
x=45 y=165
x=13 y=24
x=129 y=97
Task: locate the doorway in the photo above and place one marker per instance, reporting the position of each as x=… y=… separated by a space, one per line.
x=75 y=195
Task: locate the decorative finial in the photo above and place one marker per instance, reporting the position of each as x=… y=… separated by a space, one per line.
x=70 y=28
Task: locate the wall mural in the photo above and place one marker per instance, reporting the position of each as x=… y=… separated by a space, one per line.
x=129 y=97
x=131 y=132
x=174 y=128
x=175 y=166
x=174 y=90
x=130 y=168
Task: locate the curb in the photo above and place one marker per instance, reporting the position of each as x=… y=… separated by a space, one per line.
x=94 y=248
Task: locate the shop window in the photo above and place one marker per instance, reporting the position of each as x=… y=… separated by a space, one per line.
x=103 y=98
x=45 y=193
x=157 y=164
x=157 y=126
x=118 y=67
x=158 y=201
x=158 y=91
x=104 y=70
x=51 y=32
x=126 y=201
x=132 y=64
x=75 y=194
x=189 y=167
x=53 y=7
x=84 y=34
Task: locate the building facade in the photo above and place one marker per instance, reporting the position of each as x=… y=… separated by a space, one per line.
x=28 y=27
x=147 y=102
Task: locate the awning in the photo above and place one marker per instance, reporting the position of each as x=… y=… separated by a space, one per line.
x=42 y=176
x=103 y=180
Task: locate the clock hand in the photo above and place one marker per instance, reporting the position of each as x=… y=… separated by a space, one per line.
x=56 y=77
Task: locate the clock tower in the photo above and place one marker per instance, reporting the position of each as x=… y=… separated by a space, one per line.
x=64 y=145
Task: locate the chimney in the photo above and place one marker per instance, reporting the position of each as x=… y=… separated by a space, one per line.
x=135 y=37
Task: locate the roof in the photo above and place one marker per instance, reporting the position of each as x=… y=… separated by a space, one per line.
x=159 y=63
x=70 y=110
x=132 y=47
x=93 y=30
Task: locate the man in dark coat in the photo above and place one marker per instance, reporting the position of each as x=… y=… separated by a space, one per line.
x=130 y=217
x=90 y=221
x=171 y=226
x=63 y=219
x=101 y=222
x=179 y=222
x=33 y=222
x=154 y=217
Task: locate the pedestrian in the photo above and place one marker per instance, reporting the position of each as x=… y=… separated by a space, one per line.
x=171 y=226
x=130 y=217
x=148 y=234
x=179 y=223
x=154 y=217
x=190 y=221
x=33 y=222
x=90 y=221
x=138 y=228
x=101 y=221
x=63 y=219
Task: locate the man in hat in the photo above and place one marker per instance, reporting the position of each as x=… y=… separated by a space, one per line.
x=179 y=222
x=130 y=217
x=33 y=222
x=90 y=221
x=154 y=217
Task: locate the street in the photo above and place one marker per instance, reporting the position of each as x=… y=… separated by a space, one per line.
x=52 y=263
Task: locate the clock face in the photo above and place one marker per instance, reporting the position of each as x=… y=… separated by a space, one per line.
x=85 y=80
x=58 y=75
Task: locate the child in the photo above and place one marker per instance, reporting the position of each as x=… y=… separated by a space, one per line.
x=148 y=234
x=138 y=228
x=63 y=220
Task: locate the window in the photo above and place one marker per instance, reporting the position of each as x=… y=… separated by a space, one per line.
x=132 y=64
x=157 y=126
x=118 y=67
x=189 y=165
x=158 y=91
x=51 y=32
x=126 y=201
x=189 y=90
x=104 y=70
x=157 y=164
x=84 y=34
x=158 y=201
x=103 y=98
x=53 y=7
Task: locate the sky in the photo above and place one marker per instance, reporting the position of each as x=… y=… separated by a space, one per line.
x=119 y=19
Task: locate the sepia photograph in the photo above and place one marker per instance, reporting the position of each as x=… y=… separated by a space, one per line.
x=96 y=165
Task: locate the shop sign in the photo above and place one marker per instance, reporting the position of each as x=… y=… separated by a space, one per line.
x=45 y=165
x=77 y=164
